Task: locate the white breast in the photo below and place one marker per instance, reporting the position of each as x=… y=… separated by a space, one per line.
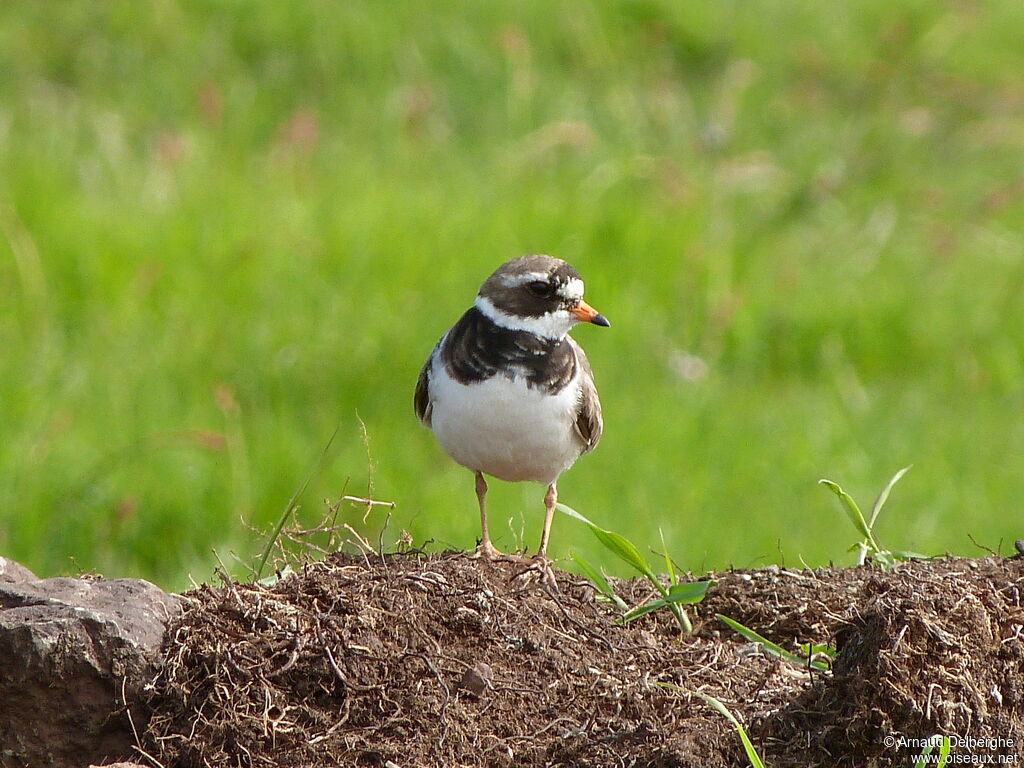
x=504 y=428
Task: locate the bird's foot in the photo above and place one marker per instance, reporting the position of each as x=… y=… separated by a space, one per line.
x=487 y=551
x=537 y=568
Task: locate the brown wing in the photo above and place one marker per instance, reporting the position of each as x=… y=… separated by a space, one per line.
x=589 y=424
x=422 y=398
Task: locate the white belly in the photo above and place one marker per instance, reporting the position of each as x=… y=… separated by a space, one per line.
x=503 y=428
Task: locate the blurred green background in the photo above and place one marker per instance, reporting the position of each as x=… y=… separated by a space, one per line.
x=226 y=227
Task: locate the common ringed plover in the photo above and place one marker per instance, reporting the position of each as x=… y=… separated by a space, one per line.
x=506 y=391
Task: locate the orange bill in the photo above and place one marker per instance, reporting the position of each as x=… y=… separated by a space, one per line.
x=588 y=314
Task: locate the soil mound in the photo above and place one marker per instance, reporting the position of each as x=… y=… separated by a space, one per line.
x=416 y=660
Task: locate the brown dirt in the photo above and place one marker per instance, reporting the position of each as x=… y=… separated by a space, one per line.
x=438 y=660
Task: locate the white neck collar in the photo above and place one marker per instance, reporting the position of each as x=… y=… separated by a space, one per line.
x=553 y=325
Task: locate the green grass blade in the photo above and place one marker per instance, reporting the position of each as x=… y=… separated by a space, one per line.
x=850 y=506
x=291 y=504
x=618 y=545
x=943 y=744
x=681 y=594
x=944 y=752
x=565 y=509
x=885 y=559
x=902 y=554
x=642 y=610
x=921 y=761
x=669 y=567
x=818 y=648
x=592 y=573
x=682 y=618
x=689 y=592
x=773 y=648
x=748 y=746
x=624 y=549
x=880 y=501
x=599 y=581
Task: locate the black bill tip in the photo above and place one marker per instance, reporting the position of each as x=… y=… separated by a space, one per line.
x=600 y=319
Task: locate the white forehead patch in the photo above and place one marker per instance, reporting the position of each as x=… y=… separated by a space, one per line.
x=553 y=325
x=572 y=290
x=527 y=277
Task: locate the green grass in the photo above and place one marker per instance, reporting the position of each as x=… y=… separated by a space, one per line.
x=748 y=746
x=869 y=548
x=806 y=661
x=943 y=743
x=224 y=227
x=674 y=595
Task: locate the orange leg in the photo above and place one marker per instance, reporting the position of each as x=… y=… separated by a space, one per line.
x=550 y=499
x=485 y=549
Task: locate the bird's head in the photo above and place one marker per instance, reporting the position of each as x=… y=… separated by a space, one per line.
x=539 y=294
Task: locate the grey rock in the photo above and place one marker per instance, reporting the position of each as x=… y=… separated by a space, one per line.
x=477 y=679
x=14 y=572
x=73 y=654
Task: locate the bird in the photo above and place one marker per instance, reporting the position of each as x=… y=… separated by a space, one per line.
x=507 y=392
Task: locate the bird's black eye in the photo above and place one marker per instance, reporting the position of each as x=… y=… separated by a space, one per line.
x=539 y=288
